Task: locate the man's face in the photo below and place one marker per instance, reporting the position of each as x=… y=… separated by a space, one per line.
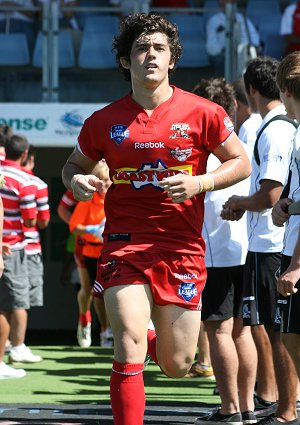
x=223 y=2
x=287 y=100
x=150 y=59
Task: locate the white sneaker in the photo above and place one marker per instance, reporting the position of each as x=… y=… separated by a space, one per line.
x=7 y=372
x=84 y=335
x=8 y=346
x=105 y=339
x=23 y=354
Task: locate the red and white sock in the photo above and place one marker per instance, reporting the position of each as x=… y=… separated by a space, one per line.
x=127 y=393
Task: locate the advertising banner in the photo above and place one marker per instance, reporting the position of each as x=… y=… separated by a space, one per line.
x=47 y=124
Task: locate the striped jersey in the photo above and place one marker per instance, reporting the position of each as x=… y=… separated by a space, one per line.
x=33 y=244
x=19 y=202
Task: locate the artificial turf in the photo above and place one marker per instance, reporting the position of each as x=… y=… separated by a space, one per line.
x=70 y=374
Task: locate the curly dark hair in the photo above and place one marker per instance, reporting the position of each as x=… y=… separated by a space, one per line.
x=132 y=26
x=261 y=75
x=217 y=90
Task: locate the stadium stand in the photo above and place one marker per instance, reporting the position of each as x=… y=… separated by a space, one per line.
x=66 y=56
x=192 y=34
x=14 y=50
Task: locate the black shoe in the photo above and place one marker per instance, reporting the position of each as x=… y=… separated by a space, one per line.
x=262 y=405
x=216 y=417
x=272 y=420
x=249 y=417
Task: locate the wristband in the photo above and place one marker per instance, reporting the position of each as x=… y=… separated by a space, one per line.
x=206 y=183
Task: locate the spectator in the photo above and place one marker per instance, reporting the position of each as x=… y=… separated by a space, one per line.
x=18 y=196
x=87 y=221
x=156 y=141
x=233 y=352
x=5 y=370
x=247 y=119
x=5 y=133
x=272 y=153
x=33 y=247
x=23 y=21
x=287 y=313
x=290 y=27
x=215 y=36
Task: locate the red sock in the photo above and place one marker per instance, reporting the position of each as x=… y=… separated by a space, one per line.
x=127 y=393
x=151 y=338
x=85 y=318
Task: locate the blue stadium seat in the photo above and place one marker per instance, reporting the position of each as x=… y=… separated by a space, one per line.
x=66 y=56
x=212 y=7
x=96 y=50
x=266 y=16
x=14 y=50
x=275 y=46
x=103 y=23
x=192 y=36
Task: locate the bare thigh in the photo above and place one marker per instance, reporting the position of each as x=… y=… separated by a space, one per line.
x=177 y=331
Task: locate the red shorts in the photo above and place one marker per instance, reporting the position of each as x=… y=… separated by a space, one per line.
x=79 y=259
x=174 y=278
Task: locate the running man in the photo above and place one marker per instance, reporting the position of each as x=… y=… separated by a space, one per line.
x=156 y=141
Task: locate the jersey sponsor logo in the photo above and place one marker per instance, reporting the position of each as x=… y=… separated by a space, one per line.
x=187 y=291
x=228 y=124
x=118 y=133
x=149 y=145
x=185 y=276
x=181 y=154
x=179 y=131
x=149 y=174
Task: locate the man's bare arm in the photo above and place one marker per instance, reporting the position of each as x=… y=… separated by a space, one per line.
x=77 y=177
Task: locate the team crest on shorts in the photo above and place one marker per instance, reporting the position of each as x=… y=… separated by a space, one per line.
x=187 y=291
x=119 y=132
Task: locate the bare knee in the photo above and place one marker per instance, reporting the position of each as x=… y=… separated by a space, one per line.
x=176 y=366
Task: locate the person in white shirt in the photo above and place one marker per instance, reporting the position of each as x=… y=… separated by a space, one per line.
x=215 y=36
x=19 y=21
x=288 y=29
x=233 y=352
x=269 y=175
x=247 y=120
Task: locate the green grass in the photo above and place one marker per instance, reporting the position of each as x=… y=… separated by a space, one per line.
x=70 y=374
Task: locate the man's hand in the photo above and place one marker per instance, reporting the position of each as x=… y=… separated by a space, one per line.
x=181 y=187
x=279 y=212
x=287 y=281
x=231 y=210
x=84 y=186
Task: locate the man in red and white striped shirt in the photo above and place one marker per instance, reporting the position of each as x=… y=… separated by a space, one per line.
x=19 y=203
x=33 y=247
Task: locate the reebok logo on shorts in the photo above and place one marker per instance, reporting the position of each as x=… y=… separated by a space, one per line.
x=187 y=291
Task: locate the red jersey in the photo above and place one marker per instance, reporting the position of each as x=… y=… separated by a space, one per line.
x=33 y=244
x=140 y=151
x=18 y=195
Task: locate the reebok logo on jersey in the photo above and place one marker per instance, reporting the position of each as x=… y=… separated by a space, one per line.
x=187 y=291
x=185 y=276
x=149 y=145
x=118 y=133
